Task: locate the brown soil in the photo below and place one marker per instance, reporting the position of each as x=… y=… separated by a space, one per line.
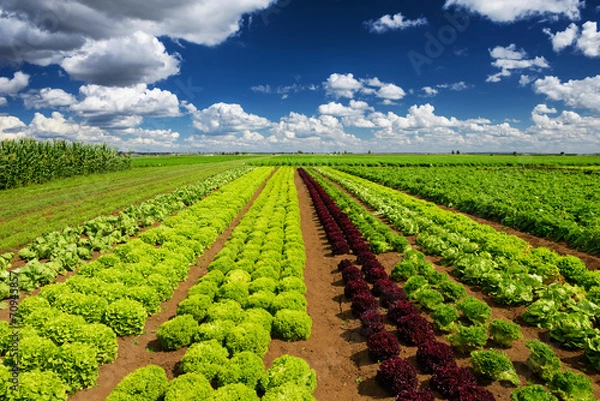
x=137 y=352
x=518 y=353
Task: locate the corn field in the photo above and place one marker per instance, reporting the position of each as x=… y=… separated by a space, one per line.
x=26 y=161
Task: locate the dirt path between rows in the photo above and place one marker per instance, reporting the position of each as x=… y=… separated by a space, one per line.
x=136 y=352
x=518 y=353
x=335 y=350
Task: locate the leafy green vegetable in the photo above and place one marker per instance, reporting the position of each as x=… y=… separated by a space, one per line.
x=475 y=310
x=234 y=392
x=592 y=351
x=189 y=387
x=126 y=317
x=571 y=386
x=445 y=317
x=206 y=358
x=495 y=365
x=290 y=369
x=76 y=365
x=452 y=291
x=504 y=333
x=571 y=329
x=542 y=360
x=248 y=336
x=428 y=298
x=177 y=332
x=145 y=384
x=541 y=313
x=39 y=386
x=290 y=325
x=532 y=392
x=246 y=368
x=469 y=337
x=288 y=392
x=195 y=306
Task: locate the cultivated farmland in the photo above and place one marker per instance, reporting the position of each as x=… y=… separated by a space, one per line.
x=305 y=277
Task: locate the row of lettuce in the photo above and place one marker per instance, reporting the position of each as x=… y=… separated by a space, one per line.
x=69 y=329
x=254 y=291
x=466 y=318
x=57 y=252
x=555 y=204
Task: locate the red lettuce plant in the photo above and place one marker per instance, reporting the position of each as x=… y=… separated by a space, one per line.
x=382 y=345
x=433 y=355
x=415 y=330
x=397 y=375
x=371 y=322
x=355 y=287
x=424 y=394
x=362 y=302
x=449 y=380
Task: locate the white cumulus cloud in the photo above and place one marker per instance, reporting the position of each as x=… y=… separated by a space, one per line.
x=48 y=98
x=11 y=86
x=393 y=22
x=513 y=10
x=586 y=40
x=224 y=118
x=584 y=93
x=509 y=59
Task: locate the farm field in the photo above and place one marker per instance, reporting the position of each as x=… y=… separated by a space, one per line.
x=27 y=212
x=276 y=282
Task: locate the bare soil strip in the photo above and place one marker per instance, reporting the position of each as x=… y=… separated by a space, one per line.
x=518 y=353
x=136 y=352
x=335 y=349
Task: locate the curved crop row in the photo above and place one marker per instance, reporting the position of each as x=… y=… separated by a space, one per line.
x=557 y=204
x=254 y=291
x=68 y=249
x=69 y=328
x=506 y=267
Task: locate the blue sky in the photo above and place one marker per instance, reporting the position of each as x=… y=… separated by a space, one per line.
x=288 y=75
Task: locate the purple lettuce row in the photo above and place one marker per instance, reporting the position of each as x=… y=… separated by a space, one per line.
x=345 y=263
x=382 y=285
x=474 y=393
x=355 y=287
x=415 y=330
x=424 y=394
x=334 y=234
x=351 y=273
x=371 y=322
x=432 y=356
x=399 y=309
x=382 y=346
x=391 y=295
x=448 y=381
x=351 y=233
x=397 y=375
x=363 y=302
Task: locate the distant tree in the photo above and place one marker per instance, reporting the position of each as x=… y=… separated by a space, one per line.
x=458 y=152
x=515 y=153
x=369 y=152
x=453 y=152
x=300 y=152
x=562 y=153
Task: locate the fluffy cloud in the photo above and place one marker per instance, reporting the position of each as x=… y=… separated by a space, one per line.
x=429 y=91
x=564 y=39
x=352 y=115
x=509 y=59
x=222 y=119
x=456 y=86
x=342 y=85
x=391 y=92
x=584 y=93
x=346 y=85
x=12 y=86
x=124 y=107
x=587 y=41
x=3 y=101
x=11 y=128
x=393 y=22
x=512 y=10
x=567 y=131
x=140 y=58
x=48 y=98
x=80 y=34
